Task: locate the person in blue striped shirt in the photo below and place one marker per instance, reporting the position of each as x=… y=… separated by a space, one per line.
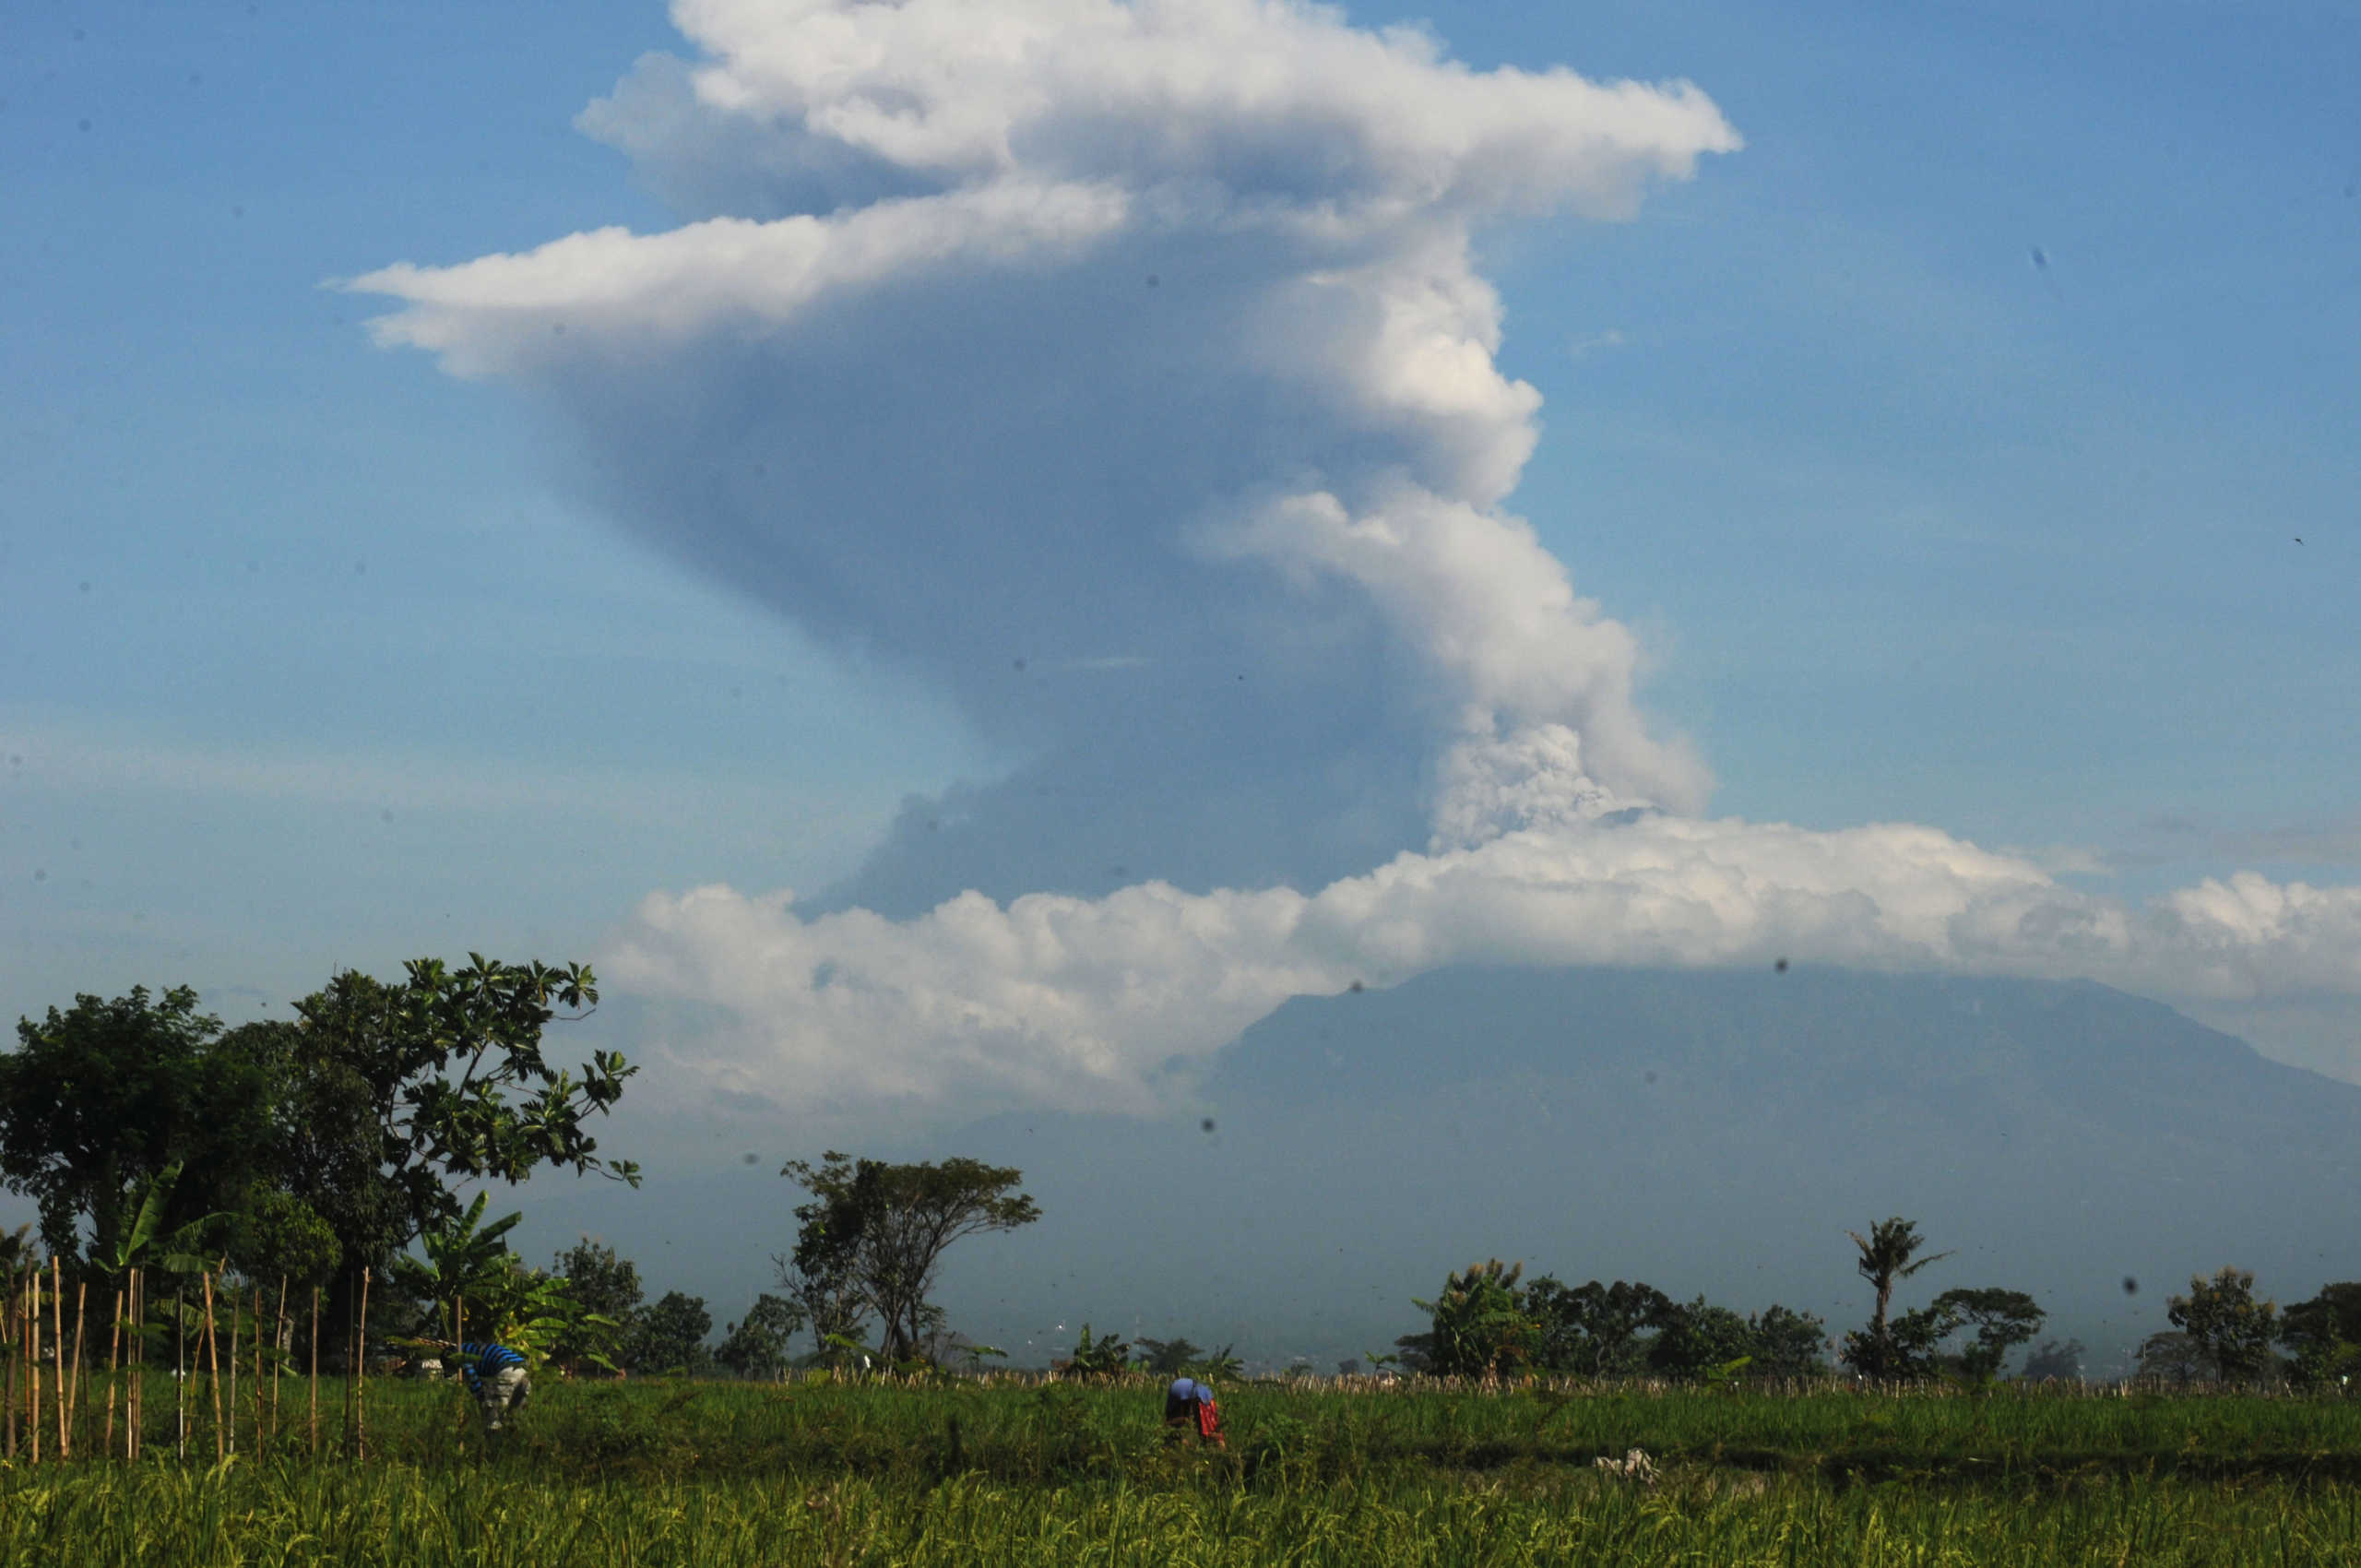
x=495 y=1376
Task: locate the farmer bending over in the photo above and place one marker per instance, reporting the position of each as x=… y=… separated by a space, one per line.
x=1189 y=1401
x=495 y=1376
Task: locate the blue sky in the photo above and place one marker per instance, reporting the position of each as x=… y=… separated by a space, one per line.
x=1945 y=449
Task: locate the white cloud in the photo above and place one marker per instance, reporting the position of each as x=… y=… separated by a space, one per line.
x=1085 y=1003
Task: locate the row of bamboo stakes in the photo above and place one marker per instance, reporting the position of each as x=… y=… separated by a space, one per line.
x=44 y=1388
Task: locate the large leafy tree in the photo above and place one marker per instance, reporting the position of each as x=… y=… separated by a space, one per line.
x=396 y=1095
x=2002 y=1320
x=1788 y=1343
x=755 y=1345
x=1594 y=1330
x=99 y=1101
x=670 y=1337
x=1478 y=1324
x=1697 y=1338
x=2325 y=1332
x=875 y=1233
x=607 y=1287
x=2226 y=1324
x=1889 y=1254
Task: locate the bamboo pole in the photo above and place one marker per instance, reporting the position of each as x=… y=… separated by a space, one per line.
x=258 y=1370
x=315 y=1369
x=351 y=1361
x=212 y=1350
x=180 y=1372
x=14 y=1319
x=139 y=1397
x=459 y=1357
x=360 y=1377
x=114 y=1365
x=283 y=1343
x=74 y=1389
x=32 y=1367
x=57 y=1344
x=232 y=1300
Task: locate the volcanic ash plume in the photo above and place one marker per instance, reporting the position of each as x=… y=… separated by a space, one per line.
x=1122 y=370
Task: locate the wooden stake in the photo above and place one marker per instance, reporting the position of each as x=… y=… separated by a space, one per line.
x=14 y=1319
x=283 y=1344
x=258 y=1432
x=232 y=1301
x=180 y=1372
x=351 y=1361
x=315 y=1369
x=74 y=1389
x=138 y=1400
x=212 y=1352
x=32 y=1367
x=57 y=1343
x=114 y=1366
x=360 y=1377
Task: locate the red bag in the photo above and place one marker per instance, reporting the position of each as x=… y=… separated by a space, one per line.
x=1208 y=1419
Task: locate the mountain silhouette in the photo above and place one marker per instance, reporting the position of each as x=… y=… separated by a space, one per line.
x=1712 y=1132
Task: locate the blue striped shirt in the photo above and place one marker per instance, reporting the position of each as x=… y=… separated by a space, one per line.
x=482 y=1360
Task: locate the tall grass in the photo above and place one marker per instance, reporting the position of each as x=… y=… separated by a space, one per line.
x=401 y=1516
x=1027 y=1472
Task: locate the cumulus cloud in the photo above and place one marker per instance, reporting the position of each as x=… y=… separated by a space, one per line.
x=1099 y=1004
x=1121 y=369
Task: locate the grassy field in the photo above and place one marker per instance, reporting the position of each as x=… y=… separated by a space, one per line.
x=651 y=1473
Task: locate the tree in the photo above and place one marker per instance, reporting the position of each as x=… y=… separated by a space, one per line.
x=756 y=1344
x=877 y=1232
x=2002 y=1320
x=2324 y=1333
x=1696 y=1339
x=2051 y=1359
x=1478 y=1326
x=1594 y=1330
x=2173 y=1355
x=1887 y=1253
x=670 y=1337
x=1168 y=1358
x=392 y=1097
x=2226 y=1324
x=97 y=1101
x=608 y=1289
x=1788 y=1343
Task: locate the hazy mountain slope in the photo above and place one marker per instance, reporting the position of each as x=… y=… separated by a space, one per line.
x=1712 y=1133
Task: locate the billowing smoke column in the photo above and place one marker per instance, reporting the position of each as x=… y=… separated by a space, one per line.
x=1122 y=370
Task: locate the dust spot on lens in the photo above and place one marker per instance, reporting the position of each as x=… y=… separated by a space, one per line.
x=1207 y=1126
x=1780 y=968
x=2130 y=1285
x=753 y=1159
x=1356 y=987
x=1651 y=1078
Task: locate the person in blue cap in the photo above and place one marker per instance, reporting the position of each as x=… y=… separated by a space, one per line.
x=1188 y=1402
x=495 y=1376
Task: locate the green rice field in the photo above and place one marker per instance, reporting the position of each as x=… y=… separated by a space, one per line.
x=1014 y=1471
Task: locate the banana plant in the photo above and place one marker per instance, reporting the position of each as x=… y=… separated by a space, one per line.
x=142 y=1244
x=470 y=1275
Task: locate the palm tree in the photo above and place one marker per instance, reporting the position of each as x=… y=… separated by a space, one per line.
x=1886 y=1254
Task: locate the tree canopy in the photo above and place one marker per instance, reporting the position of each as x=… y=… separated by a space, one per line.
x=874 y=1234
x=99 y=1101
